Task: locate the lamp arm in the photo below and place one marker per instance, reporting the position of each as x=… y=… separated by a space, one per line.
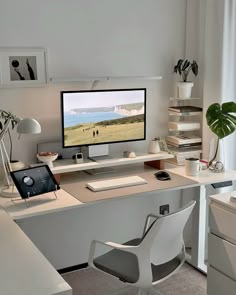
x=3 y=152
x=4 y=130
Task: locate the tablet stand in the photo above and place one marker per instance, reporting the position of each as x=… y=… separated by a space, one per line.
x=28 y=198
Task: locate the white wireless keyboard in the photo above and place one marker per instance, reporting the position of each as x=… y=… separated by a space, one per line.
x=107 y=184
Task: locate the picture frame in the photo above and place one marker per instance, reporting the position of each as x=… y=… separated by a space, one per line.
x=23 y=67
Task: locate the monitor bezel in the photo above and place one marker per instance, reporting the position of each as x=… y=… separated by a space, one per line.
x=102 y=90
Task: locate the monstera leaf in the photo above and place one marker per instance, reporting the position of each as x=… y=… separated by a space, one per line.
x=221 y=119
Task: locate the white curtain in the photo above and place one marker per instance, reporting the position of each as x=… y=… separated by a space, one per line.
x=220 y=68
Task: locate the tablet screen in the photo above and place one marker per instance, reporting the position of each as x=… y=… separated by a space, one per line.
x=34 y=181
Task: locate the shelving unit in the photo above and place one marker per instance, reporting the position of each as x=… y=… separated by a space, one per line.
x=185 y=135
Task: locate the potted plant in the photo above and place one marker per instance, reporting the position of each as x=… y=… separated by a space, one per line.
x=183 y=68
x=222 y=122
x=4 y=119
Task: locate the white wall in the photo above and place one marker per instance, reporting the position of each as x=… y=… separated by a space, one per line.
x=93 y=38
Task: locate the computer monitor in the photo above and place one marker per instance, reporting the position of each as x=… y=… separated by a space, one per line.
x=95 y=117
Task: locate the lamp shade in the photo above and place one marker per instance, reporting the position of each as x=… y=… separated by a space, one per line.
x=28 y=126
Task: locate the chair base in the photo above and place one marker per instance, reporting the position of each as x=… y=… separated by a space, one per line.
x=129 y=290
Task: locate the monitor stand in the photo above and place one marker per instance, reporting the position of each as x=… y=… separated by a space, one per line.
x=102 y=170
x=95 y=151
x=99 y=153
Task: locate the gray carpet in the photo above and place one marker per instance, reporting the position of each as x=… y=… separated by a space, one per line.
x=187 y=281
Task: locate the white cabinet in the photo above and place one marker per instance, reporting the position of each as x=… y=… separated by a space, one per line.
x=185 y=136
x=221 y=277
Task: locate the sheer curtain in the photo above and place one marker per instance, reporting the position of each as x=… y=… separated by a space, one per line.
x=220 y=68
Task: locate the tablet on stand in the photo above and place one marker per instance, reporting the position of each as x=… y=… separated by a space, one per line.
x=34 y=181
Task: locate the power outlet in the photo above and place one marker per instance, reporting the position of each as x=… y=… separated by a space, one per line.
x=164 y=209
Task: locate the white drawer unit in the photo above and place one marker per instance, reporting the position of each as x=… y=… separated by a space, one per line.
x=221 y=277
x=219 y=284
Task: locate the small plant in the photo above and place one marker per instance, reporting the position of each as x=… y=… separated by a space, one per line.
x=183 y=68
x=221 y=121
x=163 y=145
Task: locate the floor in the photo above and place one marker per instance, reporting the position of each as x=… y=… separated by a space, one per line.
x=187 y=281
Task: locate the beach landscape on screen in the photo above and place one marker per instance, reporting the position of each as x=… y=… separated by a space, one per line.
x=97 y=117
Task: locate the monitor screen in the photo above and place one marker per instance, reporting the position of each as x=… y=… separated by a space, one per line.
x=103 y=116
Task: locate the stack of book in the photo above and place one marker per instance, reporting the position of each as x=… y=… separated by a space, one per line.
x=181 y=155
x=184 y=141
x=184 y=146
x=183 y=126
x=181 y=144
x=185 y=110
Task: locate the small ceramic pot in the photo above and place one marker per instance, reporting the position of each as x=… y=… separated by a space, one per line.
x=184 y=89
x=154 y=147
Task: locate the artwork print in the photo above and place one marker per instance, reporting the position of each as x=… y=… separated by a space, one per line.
x=23 y=68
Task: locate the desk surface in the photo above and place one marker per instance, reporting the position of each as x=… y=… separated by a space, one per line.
x=47 y=203
x=24 y=270
x=84 y=195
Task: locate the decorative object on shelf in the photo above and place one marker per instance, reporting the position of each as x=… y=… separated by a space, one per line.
x=222 y=122
x=183 y=68
x=163 y=145
x=22 y=67
x=47 y=158
x=129 y=154
x=24 y=126
x=154 y=147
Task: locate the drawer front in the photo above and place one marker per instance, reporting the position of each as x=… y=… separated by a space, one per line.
x=222 y=255
x=219 y=284
x=222 y=221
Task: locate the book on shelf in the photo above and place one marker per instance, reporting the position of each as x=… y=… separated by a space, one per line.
x=185 y=151
x=183 y=126
x=185 y=109
x=185 y=145
x=183 y=139
x=180 y=157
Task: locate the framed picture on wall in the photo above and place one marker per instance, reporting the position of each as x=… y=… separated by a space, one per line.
x=23 y=67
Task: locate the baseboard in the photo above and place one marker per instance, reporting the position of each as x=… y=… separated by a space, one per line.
x=72 y=268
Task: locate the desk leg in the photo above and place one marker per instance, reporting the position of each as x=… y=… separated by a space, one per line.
x=199 y=231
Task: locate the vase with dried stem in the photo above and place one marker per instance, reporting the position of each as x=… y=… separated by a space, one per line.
x=222 y=122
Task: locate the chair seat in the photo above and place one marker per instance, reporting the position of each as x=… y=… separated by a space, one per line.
x=124 y=265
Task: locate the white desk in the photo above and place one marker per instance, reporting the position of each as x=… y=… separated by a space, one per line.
x=50 y=218
x=24 y=270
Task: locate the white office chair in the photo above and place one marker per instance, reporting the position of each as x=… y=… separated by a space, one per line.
x=151 y=259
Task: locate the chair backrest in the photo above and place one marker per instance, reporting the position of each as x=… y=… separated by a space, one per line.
x=164 y=237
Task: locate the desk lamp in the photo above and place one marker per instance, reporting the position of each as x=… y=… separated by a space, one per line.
x=24 y=126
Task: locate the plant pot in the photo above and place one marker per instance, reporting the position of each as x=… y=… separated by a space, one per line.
x=154 y=147
x=184 y=89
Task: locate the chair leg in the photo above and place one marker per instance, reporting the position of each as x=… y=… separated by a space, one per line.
x=140 y=291
x=150 y=291
x=153 y=291
x=122 y=291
